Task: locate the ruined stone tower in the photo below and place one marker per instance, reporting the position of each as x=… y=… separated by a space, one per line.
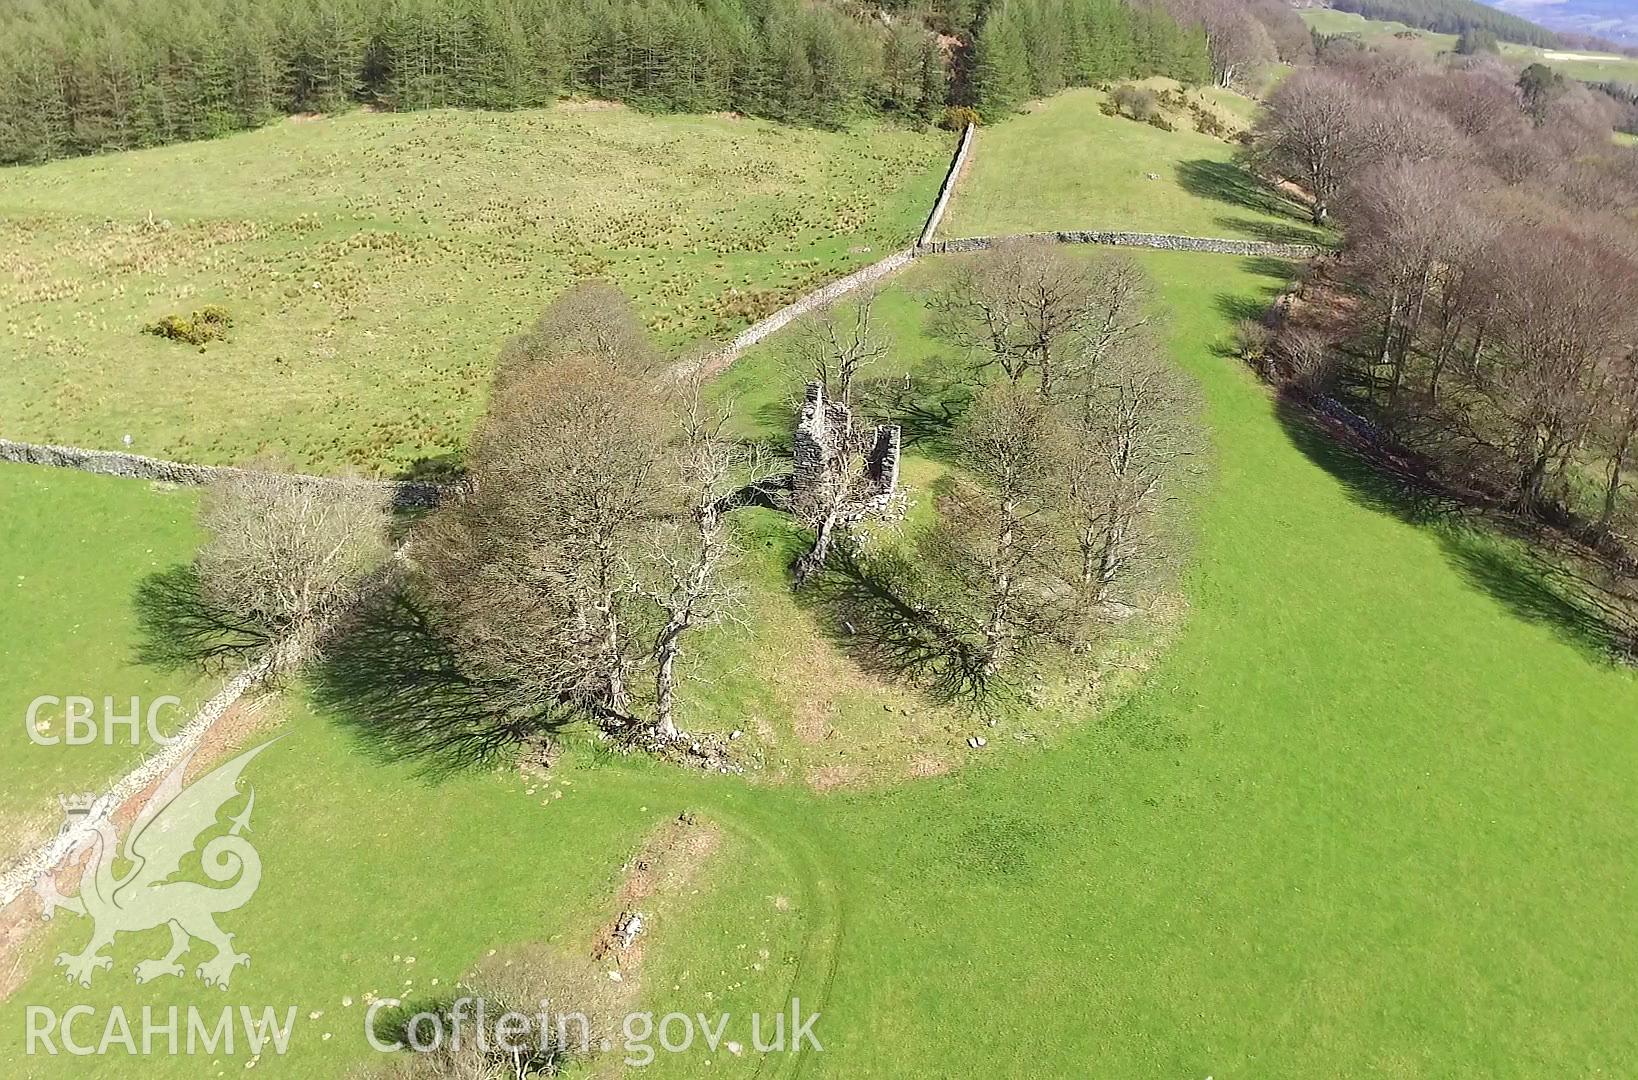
x=825 y=442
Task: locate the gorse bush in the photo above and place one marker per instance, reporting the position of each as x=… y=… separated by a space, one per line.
x=1207 y=122
x=208 y=324
x=1135 y=101
x=82 y=76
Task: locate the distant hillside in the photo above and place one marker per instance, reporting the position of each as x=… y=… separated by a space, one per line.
x=1454 y=16
x=1616 y=20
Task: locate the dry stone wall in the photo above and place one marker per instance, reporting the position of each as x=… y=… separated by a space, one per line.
x=1159 y=241
x=958 y=163
x=718 y=361
x=405 y=493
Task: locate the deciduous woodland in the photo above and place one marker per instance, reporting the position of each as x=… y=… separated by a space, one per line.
x=83 y=77
x=1483 y=311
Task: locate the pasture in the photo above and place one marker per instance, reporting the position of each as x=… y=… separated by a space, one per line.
x=1065 y=165
x=1370 y=813
x=371 y=263
x=73 y=550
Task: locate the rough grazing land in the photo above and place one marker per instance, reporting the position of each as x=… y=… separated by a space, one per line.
x=372 y=264
x=1588 y=66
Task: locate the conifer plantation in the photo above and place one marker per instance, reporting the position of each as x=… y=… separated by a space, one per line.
x=88 y=76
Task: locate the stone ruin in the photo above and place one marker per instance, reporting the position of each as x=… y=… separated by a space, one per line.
x=825 y=444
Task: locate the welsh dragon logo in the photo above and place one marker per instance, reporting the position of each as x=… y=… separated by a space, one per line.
x=144 y=897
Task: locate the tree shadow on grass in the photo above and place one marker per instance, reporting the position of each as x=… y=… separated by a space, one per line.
x=927 y=406
x=1536 y=588
x=1238 y=305
x=1282 y=271
x=179 y=628
x=1226 y=182
x=1518 y=565
x=1255 y=306
x=1273 y=232
x=869 y=609
x=392 y=681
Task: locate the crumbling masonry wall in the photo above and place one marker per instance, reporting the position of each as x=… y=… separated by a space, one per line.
x=820 y=447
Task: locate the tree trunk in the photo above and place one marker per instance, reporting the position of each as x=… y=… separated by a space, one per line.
x=619 y=697
x=1385 y=349
x=1618 y=464
x=665 y=683
x=995 y=627
x=1088 y=543
x=1447 y=344
x=1478 y=347
x=1533 y=476
x=1109 y=558
x=1407 y=336
x=816 y=557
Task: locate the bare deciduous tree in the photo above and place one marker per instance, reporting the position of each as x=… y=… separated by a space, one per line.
x=841 y=495
x=594 y=537
x=1621 y=429
x=1566 y=304
x=287 y=554
x=1236 y=41
x=1033 y=310
x=590 y=319
x=534 y=571
x=835 y=346
x=1003 y=533
x=1411 y=233
x=689 y=552
x=1479 y=98
x=1129 y=437
x=1307 y=358
x=1312 y=132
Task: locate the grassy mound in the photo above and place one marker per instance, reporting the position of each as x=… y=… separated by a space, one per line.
x=373 y=261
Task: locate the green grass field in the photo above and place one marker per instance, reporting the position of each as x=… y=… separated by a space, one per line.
x=1065 y=165
x=373 y=263
x=1573 y=63
x=1371 y=814
x=73 y=549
